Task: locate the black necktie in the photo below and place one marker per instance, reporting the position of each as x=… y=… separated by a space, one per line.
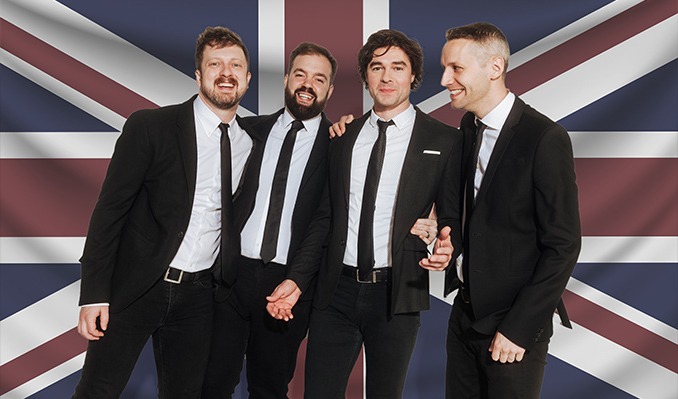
x=275 y=206
x=227 y=230
x=366 y=228
x=470 y=193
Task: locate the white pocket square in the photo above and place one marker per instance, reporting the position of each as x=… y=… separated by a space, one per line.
x=432 y=152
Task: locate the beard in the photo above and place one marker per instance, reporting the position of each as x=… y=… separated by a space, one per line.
x=303 y=112
x=222 y=101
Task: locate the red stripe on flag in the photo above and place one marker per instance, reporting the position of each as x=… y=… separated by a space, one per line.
x=55 y=197
x=628 y=197
x=336 y=25
x=48 y=197
x=621 y=331
x=71 y=72
x=40 y=360
x=578 y=50
x=354 y=390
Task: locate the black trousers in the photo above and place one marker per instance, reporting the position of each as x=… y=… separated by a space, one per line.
x=471 y=372
x=243 y=328
x=359 y=315
x=179 y=319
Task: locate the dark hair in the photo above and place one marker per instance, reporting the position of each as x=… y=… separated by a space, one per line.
x=490 y=37
x=392 y=38
x=218 y=37
x=309 y=48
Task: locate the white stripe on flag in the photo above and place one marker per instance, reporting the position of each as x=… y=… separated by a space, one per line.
x=612 y=363
x=89 y=145
x=41 y=249
x=62 y=90
x=594 y=249
x=546 y=44
x=376 y=16
x=603 y=74
x=100 y=49
x=271 y=55
x=629 y=250
x=620 y=308
x=39 y=322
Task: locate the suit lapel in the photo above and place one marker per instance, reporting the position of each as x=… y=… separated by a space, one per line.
x=408 y=182
x=505 y=137
x=318 y=152
x=347 y=143
x=188 y=146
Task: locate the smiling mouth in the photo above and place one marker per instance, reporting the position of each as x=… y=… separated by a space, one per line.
x=455 y=92
x=304 y=97
x=226 y=84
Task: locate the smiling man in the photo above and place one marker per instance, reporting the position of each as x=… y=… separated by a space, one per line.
x=522 y=233
x=161 y=226
x=386 y=171
x=273 y=216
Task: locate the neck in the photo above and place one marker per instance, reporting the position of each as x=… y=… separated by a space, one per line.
x=388 y=113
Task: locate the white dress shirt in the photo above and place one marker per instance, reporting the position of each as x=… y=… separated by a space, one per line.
x=494 y=122
x=200 y=246
x=397 y=141
x=252 y=234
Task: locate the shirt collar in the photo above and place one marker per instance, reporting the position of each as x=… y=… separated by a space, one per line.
x=496 y=118
x=310 y=125
x=208 y=119
x=401 y=121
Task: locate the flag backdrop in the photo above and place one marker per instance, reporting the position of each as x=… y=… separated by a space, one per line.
x=73 y=70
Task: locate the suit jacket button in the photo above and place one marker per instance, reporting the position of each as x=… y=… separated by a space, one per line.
x=181 y=234
x=342 y=243
x=477 y=234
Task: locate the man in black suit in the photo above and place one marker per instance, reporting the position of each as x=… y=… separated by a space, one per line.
x=521 y=225
x=374 y=280
x=273 y=215
x=162 y=223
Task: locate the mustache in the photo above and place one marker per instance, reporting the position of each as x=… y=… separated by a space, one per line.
x=223 y=79
x=305 y=89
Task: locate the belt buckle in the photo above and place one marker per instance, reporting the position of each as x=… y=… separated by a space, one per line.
x=169 y=280
x=373 y=281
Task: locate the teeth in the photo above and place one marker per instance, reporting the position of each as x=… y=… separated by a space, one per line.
x=455 y=92
x=305 y=96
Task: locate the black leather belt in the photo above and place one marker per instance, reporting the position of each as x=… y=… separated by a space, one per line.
x=380 y=275
x=178 y=276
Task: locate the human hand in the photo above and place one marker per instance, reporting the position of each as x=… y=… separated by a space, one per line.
x=503 y=350
x=282 y=300
x=426 y=229
x=339 y=128
x=442 y=252
x=87 y=322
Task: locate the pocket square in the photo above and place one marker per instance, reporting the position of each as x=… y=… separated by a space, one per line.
x=432 y=152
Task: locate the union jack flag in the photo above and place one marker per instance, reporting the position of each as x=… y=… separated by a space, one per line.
x=73 y=70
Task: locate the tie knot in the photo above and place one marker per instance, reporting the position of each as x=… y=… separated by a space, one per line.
x=383 y=125
x=297 y=125
x=224 y=130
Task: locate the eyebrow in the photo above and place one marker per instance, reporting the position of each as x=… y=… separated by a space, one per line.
x=304 y=71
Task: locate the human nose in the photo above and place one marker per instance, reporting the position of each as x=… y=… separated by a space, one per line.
x=447 y=78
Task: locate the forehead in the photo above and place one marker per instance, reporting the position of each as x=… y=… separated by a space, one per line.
x=459 y=50
x=312 y=62
x=231 y=51
x=393 y=55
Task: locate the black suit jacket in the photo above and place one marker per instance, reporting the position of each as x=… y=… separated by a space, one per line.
x=524 y=235
x=426 y=178
x=144 y=207
x=305 y=244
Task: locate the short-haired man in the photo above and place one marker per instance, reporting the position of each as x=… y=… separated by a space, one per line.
x=521 y=230
x=273 y=215
x=160 y=228
x=386 y=171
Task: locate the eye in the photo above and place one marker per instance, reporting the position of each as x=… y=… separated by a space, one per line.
x=399 y=68
x=320 y=80
x=376 y=68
